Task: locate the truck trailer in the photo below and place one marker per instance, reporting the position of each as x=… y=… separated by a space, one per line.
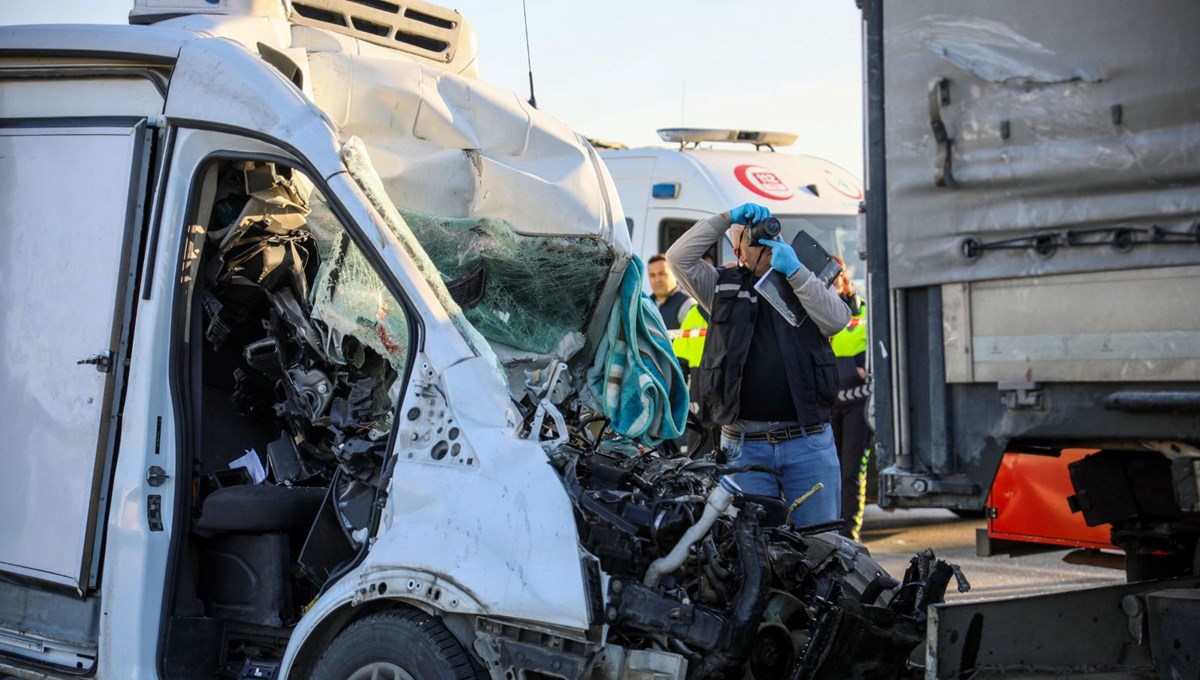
x=1033 y=252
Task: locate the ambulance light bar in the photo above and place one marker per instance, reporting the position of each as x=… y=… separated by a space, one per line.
x=694 y=136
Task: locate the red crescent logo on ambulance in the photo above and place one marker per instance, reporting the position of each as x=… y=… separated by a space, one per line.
x=843 y=187
x=763 y=182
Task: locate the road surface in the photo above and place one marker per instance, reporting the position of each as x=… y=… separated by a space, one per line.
x=893 y=537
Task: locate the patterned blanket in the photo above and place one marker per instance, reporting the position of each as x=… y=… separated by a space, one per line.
x=636 y=376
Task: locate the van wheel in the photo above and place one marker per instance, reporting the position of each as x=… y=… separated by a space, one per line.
x=404 y=644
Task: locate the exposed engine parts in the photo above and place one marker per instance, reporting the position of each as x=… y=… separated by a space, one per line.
x=700 y=570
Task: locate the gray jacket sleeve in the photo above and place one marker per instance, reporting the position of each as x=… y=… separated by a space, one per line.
x=685 y=258
x=823 y=305
x=699 y=278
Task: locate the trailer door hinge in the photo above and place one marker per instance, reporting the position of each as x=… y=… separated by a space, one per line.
x=1021 y=395
x=939 y=97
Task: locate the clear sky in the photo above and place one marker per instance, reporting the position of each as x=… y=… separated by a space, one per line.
x=620 y=69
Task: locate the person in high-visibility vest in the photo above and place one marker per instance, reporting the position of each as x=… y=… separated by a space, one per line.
x=688 y=343
x=688 y=340
x=850 y=430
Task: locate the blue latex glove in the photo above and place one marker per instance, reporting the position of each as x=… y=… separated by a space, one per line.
x=783 y=257
x=748 y=213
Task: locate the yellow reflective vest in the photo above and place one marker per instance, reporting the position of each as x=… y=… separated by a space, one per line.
x=688 y=341
x=851 y=340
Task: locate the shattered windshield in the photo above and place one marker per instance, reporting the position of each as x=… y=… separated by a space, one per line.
x=527 y=292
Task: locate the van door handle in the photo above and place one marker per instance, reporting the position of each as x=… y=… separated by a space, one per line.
x=102 y=360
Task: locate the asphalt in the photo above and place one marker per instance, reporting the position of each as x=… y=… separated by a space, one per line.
x=893 y=537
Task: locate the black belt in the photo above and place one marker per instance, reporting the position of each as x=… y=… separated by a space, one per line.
x=775 y=436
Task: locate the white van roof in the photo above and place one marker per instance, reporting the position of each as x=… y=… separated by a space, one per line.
x=443 y=143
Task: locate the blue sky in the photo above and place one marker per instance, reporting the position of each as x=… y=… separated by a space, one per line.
x=620 y=69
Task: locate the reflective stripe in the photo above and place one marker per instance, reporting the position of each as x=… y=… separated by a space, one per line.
x=689 y=343
x=854 y=393
x=738 y=287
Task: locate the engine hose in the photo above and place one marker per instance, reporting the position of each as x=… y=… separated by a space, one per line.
x=681 y=648
x=719 y=584
x=746 y=611
x=710 y=549
x=876 y=587
x=719 y=500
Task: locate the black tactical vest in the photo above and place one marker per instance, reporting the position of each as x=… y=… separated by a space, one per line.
x=670 y=309
x=807 y=356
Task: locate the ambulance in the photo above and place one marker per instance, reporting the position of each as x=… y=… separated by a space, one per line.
x=666 y=190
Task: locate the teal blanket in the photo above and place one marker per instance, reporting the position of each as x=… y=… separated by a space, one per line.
x=636 y=376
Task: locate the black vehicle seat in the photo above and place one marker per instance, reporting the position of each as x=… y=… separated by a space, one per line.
x=259 y=509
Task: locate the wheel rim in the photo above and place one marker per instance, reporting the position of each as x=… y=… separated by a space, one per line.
x=381 y=670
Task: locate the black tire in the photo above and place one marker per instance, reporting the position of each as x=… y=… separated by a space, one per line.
x=397 y=642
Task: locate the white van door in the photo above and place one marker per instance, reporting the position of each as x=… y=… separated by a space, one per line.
x=70 y=222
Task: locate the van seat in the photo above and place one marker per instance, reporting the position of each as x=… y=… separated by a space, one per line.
x=259 y=508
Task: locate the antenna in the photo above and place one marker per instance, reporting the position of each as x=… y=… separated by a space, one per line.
x=528 y=58
x=682 y=102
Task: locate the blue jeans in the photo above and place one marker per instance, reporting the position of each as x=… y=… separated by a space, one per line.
x=804 y=461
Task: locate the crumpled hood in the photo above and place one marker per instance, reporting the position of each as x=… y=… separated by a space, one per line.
x=460 y=154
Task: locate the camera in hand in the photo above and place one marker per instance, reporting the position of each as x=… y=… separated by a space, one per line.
x=768 y=229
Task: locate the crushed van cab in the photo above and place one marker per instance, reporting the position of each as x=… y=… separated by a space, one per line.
x=327 y=360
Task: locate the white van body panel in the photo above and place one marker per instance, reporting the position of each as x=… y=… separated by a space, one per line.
x=105 y=97
x=53 y=407
x=211 y=76
x=504 y=531
x=149 y=44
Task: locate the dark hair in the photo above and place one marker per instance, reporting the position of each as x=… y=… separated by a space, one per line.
x=659 y=257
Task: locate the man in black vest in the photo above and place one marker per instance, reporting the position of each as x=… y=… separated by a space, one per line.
x=673 y=304
x=768 y=384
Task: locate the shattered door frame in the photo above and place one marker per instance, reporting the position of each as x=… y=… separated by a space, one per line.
x=225 y=142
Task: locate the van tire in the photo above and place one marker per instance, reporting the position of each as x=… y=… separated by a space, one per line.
x=402 y=641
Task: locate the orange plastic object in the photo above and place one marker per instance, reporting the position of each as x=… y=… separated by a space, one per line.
x=1029 y=501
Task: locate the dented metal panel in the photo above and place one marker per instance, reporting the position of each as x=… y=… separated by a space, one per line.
x=1071 y=121
x=453 y=146
x=1141 y=325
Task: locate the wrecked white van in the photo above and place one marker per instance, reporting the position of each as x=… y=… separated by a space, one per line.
x=297 y=320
